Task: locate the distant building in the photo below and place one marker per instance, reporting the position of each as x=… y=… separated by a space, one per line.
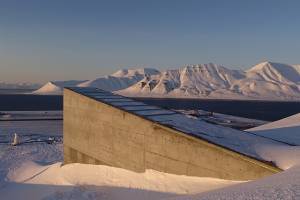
x=104 y=128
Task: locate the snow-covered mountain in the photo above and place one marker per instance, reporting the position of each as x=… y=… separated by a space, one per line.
x=119 y=80
x=276 y=72
x=49 y=88
x=56 y=87
x=190 y=80
x=266 y=80
x=297 y=67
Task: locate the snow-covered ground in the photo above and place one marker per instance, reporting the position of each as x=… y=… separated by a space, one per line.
x=34 y=171
x=286 y=130
x=284 y=185
x=31 y=126
x=81 y=181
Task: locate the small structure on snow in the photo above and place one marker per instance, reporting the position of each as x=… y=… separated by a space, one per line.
x=16 y=140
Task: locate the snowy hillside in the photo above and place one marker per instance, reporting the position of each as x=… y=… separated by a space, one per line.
x=297 y=67
x=266 y=80
x=49 y=88
x=56 y=87
x=189 y=81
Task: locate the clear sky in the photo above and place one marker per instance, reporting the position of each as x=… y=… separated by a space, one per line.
x=82 y=39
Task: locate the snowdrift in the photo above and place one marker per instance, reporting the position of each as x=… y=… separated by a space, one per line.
x=286 y=130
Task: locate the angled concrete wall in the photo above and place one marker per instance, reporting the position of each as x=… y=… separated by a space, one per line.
x=97 y=133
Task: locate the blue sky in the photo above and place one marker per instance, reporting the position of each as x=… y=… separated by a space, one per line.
x=58 y=39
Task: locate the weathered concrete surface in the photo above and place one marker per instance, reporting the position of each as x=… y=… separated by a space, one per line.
x=97 y=133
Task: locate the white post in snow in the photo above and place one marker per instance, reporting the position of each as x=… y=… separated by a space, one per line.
x=16 y=140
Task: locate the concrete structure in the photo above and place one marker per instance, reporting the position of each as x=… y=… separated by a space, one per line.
x=103 y=128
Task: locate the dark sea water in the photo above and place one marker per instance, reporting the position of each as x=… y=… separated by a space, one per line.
x=264 y=110
x=28 y=102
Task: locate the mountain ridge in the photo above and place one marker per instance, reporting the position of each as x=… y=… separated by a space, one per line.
x=266 y=80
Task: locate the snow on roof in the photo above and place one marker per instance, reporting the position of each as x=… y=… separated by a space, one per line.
x=285 y=130
x=235 y=140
